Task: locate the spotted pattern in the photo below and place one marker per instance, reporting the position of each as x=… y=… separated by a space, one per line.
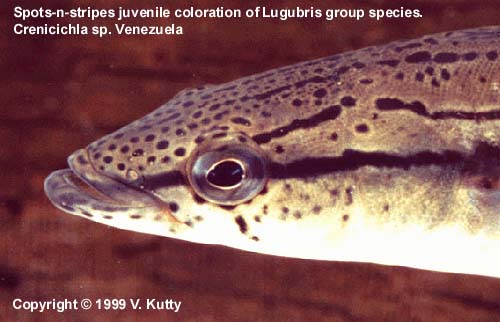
x=331 y=131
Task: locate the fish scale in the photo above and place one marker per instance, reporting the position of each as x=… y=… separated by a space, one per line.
x=388 y=154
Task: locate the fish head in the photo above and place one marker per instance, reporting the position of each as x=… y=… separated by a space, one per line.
x=175 y=173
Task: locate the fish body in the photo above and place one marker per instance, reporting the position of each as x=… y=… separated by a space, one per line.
x=388 y=154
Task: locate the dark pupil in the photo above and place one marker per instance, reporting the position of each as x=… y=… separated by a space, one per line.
x=226 y=174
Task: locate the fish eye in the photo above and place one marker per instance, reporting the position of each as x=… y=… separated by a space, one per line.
x=228 y=176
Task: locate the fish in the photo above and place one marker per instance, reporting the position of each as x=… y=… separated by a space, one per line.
x=388 y=154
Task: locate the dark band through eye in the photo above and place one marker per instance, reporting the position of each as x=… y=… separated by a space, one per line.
x=228 y=173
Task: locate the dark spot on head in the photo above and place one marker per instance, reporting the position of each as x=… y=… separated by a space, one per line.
x=107 y=159
x=348 y=101
x=386 y=207
x=165 y=159
x=199 y=139
x=242 y=224
x=97 y=155
x=219 y=135
x=188 y=103
x=134 y=139
x=431 y=41
x=214 y=107
x=124 y=149
x=173 y=206
x=180 y=132
x=219 y=116
x=470 y=56
x=161 y=145
x=120 y=166
x=180 y=152
x=165 y=129
x=265 y=209
x=297 y=214
x=445 y=57
x=358 y=65
x=285 y=210
x=492 y=55
x=82 y=160
x=112 y=147
x=151 y=159
x=149 y=138
x=429 y=70
x=135 y=216
x=296 y=102
x=87 y=214
x=399 y=76
x=138 y=152
x=279 y=149
x=241 y=120
x=418 y=57
x=434 y=82
x=256 y=218
x=366 y=81
x=482 y=79
x=419 y=76
x=316 y=209
x=319 y=93
x=345 y=218
x=445 y=75
x=334 y=136
x=197 y=114
x=348 y=196
x=255 y=238
x=362 y=128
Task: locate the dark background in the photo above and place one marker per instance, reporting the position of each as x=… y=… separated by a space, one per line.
x=59 y=93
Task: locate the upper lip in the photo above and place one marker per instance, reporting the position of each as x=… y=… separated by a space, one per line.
x=84 y=181
x=108 y=186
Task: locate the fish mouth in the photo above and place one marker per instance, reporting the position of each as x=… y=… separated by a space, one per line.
x=82 y=190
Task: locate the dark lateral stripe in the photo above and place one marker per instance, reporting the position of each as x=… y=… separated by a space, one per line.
x=330 y=113
x=163 y=180
x=391 y=104
x=352 y=160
